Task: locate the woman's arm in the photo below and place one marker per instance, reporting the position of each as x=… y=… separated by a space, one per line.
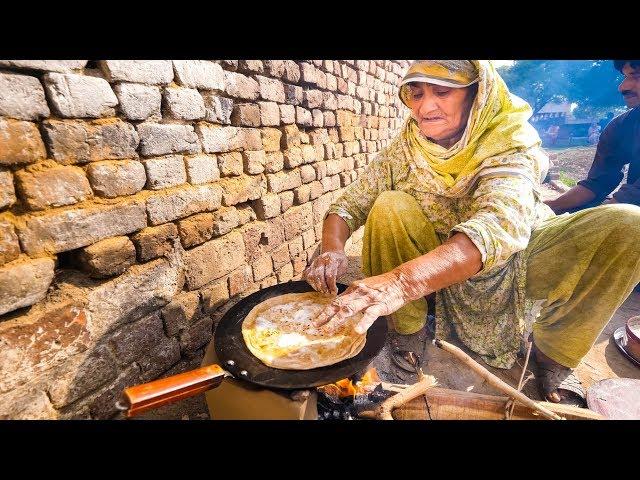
x=455 y=261
x=332 y=262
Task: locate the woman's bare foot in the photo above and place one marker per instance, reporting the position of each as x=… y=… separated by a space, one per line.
x=561 y=394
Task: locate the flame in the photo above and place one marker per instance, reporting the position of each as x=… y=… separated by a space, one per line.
x=346 y=388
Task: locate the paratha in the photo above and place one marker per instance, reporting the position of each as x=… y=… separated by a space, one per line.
x=280 y=332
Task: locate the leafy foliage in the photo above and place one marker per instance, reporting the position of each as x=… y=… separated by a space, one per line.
x=591 y=84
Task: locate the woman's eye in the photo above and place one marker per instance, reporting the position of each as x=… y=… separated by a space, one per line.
x=442 y=93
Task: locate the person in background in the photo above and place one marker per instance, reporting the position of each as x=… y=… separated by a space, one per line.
x=605 y=121
x=619 y=145
x=594 y=133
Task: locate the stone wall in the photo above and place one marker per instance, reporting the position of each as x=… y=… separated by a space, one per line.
x=140 y=199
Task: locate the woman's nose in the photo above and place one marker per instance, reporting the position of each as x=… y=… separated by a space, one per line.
x=427 y=105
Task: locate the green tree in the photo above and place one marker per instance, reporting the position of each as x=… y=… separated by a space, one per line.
x=591 y=84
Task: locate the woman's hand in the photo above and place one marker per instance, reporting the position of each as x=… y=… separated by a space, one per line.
x=325 y=270
x=375 y=296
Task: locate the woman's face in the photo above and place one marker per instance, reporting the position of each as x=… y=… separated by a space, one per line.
x=441 y=112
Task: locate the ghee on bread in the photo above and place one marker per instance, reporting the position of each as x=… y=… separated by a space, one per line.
x=280 y=332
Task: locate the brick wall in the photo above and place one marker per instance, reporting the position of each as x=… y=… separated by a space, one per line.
x=140 y=199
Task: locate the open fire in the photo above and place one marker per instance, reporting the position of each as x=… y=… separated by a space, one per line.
x=344 y=399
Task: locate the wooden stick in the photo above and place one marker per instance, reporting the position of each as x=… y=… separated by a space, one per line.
x=493 y=380
x=384 y=410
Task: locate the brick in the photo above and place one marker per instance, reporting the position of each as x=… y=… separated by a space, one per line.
x=163 y=139
x=9 y=246
x=301 y=194
x=271 y=139
x=271 y=89
x=274 y=163
x=310 y=154
x=293 y=94
x=240 y=280
x=319 y=136
x=153 y=72
x=307 y=73
x=164 y=172
x=22 y=97
x=23 y=283
x=269 y=281
x=315 y=190
x=292 y=157
x=217 y=139
x=214 y=259
x=275 y=68
x=317 y=118
x=256 y=66
x=42 y=186
x=321 y=170
x=262 y=237
x=132 y=341
x=320 y=208
x=214 y=295
x=241 y=86
x=296 y=246
x=262 y=267
x=103 y=405
x=7 y=192
x=225 y=220
x=113 y=179
x=230 y=64
x=297 y=220
x=285 y=273
x=154 y=242
x=332 y=82
x=202 y=169
x=107 y=258
x=334 y=166
x=281 y=181
x=286 y=200
x=46 y=65
x=183 y=311
x=177 y=203
x=292 y=71
x=245 y=214
x=160 y=358
x=74 y=96
x=77 y=380
x=183 y=104
x=246 y=114
x=21 y=143
x=60 y=231
x=240 y=189
x=299 y=263
x=304 y=117
x=307 y=173
x=138 y=102
x=73 y=141
x=217 y=109
x=196 y=229
x=308 y=238
x=287 y=114
x=269 y=114
x=200 y=74
x=254 y=162
x=291 y=136
x=139 y=291
x=280 y=256
x=312 y=99
x=197 y=336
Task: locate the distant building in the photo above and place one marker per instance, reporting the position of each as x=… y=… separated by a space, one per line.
x=573 y=131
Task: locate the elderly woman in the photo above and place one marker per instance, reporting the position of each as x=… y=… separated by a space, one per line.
x=453 y=206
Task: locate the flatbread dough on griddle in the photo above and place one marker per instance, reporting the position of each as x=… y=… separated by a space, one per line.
x=280 y=332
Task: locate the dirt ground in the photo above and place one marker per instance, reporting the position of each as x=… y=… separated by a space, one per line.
x=603 y=360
